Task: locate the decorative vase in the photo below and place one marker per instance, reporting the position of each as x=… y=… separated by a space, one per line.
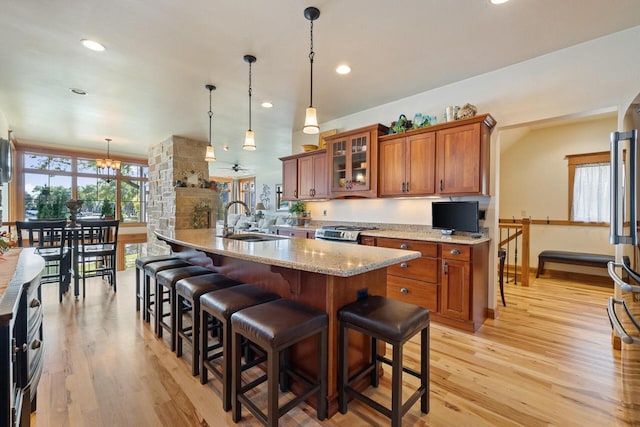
x=74 y=206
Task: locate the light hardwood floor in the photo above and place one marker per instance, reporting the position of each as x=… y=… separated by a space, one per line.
x=547 y=360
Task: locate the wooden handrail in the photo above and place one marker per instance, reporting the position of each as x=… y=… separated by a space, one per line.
x=522 y=229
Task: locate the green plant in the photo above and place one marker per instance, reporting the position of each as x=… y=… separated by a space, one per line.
x=108 y=209
x=297 y=208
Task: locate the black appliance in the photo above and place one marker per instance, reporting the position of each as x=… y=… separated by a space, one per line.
x=341 y=233
x=452 y=216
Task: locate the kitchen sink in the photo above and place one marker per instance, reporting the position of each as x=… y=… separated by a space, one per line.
x=245 y=237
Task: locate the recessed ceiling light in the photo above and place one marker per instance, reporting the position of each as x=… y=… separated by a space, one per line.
x=343 y=69
x=499 y=1
x=78 y=91
x=93 y=45
x=267 y=104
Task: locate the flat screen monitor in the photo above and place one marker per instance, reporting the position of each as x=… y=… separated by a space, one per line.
x=455 y=216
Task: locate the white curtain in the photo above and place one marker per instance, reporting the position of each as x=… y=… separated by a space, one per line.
x=591 y=187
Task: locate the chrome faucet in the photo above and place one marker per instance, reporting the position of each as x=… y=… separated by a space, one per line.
x=226 y=231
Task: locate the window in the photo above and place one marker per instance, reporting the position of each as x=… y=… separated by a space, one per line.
x=48 y=180
x=589 y=187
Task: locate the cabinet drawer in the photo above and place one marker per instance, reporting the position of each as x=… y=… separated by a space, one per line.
x=413 y=292
x=426 y=248
x=453 y=251
x=425 y=269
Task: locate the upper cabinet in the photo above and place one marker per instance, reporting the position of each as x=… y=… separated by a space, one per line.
x=447 y=159
x=353 y=159
x=407 y=165
x=304 y=176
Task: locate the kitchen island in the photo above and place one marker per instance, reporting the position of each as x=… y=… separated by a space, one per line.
x=325 y=275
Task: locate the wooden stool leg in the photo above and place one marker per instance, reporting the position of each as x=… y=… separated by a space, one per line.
x=226 y=340
x=159 y=309
x=396 y=386
x=273 y=367
x=375 y=376
x=424 y=370
x=179 y=323
x=204 y=345
x=138 y=295
x=195 y=339
x=236 y=384
x=147 y=298
x=343 y=368
x=321 y=411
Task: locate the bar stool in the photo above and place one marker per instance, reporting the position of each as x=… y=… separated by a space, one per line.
x=140 y=264
x=275 y=326
x=220 y=305
x=150 y=272
x=393 y=322
x=188 y=292
x=166 y=282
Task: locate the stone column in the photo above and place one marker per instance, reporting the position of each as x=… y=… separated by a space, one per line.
x=171 y=207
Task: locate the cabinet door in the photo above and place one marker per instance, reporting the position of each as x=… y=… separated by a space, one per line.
x=421 y=164
x=290 y=179
x=458 y=164
x=455 y=297
x=392 y=167
x=305 y=177
x=358 y=164
x=338 y=166
x=320 y=182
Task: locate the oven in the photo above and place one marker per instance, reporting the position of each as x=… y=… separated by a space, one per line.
x=341 y=233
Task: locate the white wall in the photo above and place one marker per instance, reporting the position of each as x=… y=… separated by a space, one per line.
x=599 y=74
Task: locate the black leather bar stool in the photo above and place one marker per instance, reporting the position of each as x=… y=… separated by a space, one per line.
x=150 y=271
x=275 y=326
x=219 y=306
x=393 y=322
x=166 y=291
x=188 y=292
x=140 y=264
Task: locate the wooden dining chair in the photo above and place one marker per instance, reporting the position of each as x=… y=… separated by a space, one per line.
x=49 y=237
x=97 y=250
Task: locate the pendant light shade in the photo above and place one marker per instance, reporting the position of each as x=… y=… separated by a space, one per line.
x=311 y=118
x=108 y=163
x=210 y=155
x=249 y=140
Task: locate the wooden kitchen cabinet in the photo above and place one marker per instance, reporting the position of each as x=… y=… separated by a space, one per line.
x=462 y=158
x=304 y=176
x=353 y=160
x=450 y=279
x=407 y=165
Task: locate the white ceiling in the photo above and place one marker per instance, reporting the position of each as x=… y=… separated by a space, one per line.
x=149 y=83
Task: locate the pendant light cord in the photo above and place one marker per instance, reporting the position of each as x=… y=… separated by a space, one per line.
x=210 y=115
x=250 y=95
x=311 y=55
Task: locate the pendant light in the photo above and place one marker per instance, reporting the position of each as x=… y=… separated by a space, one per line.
x=211 y=154
x=249 y=141
x=108 y=162
x=311 y=118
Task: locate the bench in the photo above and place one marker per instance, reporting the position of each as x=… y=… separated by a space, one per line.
x=577 y=258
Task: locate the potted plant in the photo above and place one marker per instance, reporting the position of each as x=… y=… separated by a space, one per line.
x=108 y=210
x=298 y=209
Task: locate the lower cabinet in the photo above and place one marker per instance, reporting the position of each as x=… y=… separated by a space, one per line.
x=450 y=280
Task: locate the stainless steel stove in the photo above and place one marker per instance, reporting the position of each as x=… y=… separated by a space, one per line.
x=341 y=233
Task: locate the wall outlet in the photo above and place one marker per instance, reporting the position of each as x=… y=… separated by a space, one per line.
x=482 y=214
x=362 y=293
x=324 y=212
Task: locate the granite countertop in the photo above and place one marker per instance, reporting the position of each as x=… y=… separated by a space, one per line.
x=426 y=236
x=318 y=256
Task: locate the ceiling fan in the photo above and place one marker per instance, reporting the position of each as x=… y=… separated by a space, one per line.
x=237 y=170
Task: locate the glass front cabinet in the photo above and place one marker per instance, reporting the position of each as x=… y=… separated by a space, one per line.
x=353 y=158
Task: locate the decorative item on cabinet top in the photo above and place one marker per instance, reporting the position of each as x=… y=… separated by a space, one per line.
x=322 y=143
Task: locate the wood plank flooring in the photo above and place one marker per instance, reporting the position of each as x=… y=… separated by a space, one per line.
x=547 y=360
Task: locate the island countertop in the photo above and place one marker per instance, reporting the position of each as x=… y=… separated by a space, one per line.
x=317 y=256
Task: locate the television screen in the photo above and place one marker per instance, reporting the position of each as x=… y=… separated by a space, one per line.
x=461 y=216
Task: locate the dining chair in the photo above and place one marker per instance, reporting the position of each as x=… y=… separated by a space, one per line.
x=97 y=250
x=49 y=238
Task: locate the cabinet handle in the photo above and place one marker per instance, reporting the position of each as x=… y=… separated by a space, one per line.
x=407 y=187
x=403 y=187
x=295 y=193
x=404 y=246
x=404 y=265
x=455 y=252
x=404 y=290
x=34 y=303
x=445 y=267
x=24 y=347
x=441 y=187
x=36 y=344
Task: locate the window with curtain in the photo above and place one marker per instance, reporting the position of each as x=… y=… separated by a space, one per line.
x=591 y=188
